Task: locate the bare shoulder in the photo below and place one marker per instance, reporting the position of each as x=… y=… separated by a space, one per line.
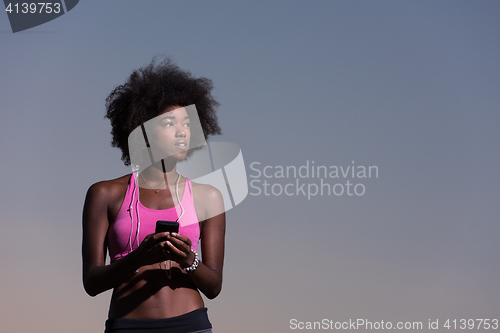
x=108 y=191
x=208 y=201
x=207 y=192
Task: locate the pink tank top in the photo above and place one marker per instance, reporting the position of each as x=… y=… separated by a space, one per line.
x=122 y=232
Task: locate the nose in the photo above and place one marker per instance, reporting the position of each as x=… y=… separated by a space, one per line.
x=180 y=131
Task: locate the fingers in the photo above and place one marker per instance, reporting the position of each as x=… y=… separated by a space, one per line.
x=179 y=247
x=182 y=238
x=158 y=253
x=151 y=248
x=175 y=238
x=183 y=244
x=160 y=235
x=177 y=253
x=166 y=254
x=155 y=238
x=166 y=246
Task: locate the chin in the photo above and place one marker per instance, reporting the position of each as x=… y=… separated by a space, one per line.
x=180 y=157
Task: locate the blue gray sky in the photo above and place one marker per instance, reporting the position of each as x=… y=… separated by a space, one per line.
x=410 y=87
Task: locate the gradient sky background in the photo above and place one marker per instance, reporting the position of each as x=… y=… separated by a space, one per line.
x=411 y=87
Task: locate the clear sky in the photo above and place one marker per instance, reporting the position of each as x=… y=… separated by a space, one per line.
x=411 y=87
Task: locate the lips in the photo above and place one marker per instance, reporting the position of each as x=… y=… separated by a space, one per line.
x=181 y=144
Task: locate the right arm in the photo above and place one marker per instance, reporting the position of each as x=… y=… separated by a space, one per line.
x=97 y=276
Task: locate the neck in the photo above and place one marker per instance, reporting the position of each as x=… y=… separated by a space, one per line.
x=158 y=174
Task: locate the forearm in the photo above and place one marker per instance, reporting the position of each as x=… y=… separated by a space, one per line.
x=99 y=279
x=207 y=279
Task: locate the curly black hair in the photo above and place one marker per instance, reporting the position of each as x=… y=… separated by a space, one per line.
x=151 y=90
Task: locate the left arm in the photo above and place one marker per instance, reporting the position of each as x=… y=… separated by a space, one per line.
x=208 y=276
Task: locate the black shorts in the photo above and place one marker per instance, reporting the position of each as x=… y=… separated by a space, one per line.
x=192 y=322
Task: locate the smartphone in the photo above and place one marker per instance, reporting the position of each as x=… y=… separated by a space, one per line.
x=170 y=226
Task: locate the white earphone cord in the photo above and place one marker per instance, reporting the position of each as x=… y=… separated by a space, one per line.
x=136 y=181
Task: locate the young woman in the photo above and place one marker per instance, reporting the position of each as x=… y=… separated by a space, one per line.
x=156 y=277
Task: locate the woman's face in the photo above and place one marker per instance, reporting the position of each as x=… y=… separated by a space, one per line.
x=173 y=132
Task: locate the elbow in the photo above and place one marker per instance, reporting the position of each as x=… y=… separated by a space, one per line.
x=90 y=289
x=91 y=292
x=214 y=292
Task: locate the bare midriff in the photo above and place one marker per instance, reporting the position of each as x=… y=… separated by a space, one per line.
x=151 y=294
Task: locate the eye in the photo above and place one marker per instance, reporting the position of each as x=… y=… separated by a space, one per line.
x=187 y=125
x=168 y=124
